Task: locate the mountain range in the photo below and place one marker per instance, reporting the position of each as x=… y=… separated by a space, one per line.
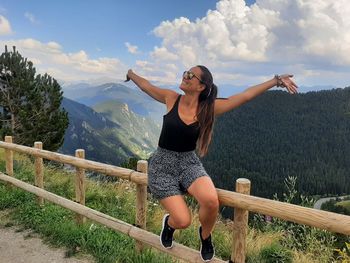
x=278 y=135
x=138 y=102
x=112 y=134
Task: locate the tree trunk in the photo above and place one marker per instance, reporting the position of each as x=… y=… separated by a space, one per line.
x=13 y=124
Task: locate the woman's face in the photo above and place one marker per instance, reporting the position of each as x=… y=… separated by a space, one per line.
x=191 y=81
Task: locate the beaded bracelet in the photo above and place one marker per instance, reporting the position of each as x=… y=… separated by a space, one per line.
x=279 y=81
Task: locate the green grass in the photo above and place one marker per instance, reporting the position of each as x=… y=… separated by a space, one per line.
x=57 y=225
x=345 y=204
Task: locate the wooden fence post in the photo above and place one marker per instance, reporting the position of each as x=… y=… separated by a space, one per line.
x=9 y=157
x=39 y=172
x=80 y=186
x=141 y=202
x=240 y=224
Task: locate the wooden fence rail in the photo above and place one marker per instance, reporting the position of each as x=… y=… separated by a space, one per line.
x=240 y=200
x=179 y=251
x=128 y=174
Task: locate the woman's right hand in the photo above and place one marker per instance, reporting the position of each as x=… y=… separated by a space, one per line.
x=127 y=75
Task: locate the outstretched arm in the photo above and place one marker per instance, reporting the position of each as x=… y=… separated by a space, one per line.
x=158 y=94
x=222 y=106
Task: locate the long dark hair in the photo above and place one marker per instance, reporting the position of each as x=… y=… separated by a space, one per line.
x=205 y=111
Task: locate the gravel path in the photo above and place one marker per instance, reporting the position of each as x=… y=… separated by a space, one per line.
x=26 y=247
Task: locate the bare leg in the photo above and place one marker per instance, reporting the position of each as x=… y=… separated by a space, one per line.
x=180 y=216
x=203 y=190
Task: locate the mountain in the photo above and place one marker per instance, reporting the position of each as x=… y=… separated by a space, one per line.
x=103 y=139
x=304 y=89
x=139 y=102
x=226 y=90
x=277 y=135
x=134 y=128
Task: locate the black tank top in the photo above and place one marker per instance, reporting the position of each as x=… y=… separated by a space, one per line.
x=177 y=135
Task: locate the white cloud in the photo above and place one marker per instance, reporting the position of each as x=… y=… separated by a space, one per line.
x=31 y=18
x=265 y=38
x=163 y=54
x=5 y=27
x=231 y=32
x=54 y=46
x=131 y=48
x=50 y=57
x=166 y=74
x=240 y=44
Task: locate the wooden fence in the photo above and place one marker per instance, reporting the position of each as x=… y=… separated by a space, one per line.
x=240 y=200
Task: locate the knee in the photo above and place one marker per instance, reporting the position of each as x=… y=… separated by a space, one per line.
x=181 y=222
x=211 y=203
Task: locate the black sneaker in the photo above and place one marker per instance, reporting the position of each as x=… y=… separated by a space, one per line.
x=166 y=236
x=207 y=249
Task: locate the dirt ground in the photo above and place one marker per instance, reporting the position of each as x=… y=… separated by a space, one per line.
x=26 y=247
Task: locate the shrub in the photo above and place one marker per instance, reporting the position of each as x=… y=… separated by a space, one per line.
x=275 y=253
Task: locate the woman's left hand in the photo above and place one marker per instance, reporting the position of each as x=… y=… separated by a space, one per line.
x=288 y=83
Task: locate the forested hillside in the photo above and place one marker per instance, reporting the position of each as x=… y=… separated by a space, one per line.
x=107 y=140
x=278 y=135
x=134 y=129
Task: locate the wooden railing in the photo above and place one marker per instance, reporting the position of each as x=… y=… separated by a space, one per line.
x=240 y=200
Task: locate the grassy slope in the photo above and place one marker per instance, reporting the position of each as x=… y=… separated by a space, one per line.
x=117 y=199
x=345 y=204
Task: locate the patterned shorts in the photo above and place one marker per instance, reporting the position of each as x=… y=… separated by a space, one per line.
x=171 y=173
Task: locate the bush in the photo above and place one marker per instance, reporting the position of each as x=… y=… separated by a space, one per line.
x=275 y=253
x=344 y=254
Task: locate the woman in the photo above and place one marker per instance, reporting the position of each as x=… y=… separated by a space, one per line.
x=174 y=168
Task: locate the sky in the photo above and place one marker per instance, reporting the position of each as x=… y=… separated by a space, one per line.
x=241 y=42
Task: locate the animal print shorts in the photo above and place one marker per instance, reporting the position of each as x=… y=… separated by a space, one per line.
x=171 y=173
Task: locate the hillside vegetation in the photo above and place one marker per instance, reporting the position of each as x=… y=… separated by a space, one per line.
x=345 y=204
x=278 y=135
x=111 y=134
x=267 y=140
x=277 y=241
x=138 y=130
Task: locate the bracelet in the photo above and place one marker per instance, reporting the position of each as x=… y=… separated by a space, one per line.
x=279 y=80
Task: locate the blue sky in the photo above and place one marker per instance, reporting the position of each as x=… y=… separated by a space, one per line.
x=100 y=28
x=241 y=42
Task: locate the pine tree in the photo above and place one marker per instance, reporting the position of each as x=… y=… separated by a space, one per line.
x=34 y=102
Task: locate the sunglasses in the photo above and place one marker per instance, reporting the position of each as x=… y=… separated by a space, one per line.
x=190 y=75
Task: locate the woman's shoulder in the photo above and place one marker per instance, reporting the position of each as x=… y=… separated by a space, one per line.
x=173 y=97
x=170 y=102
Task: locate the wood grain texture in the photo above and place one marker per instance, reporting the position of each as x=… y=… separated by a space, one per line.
x=39 y=171
x=179 y=251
